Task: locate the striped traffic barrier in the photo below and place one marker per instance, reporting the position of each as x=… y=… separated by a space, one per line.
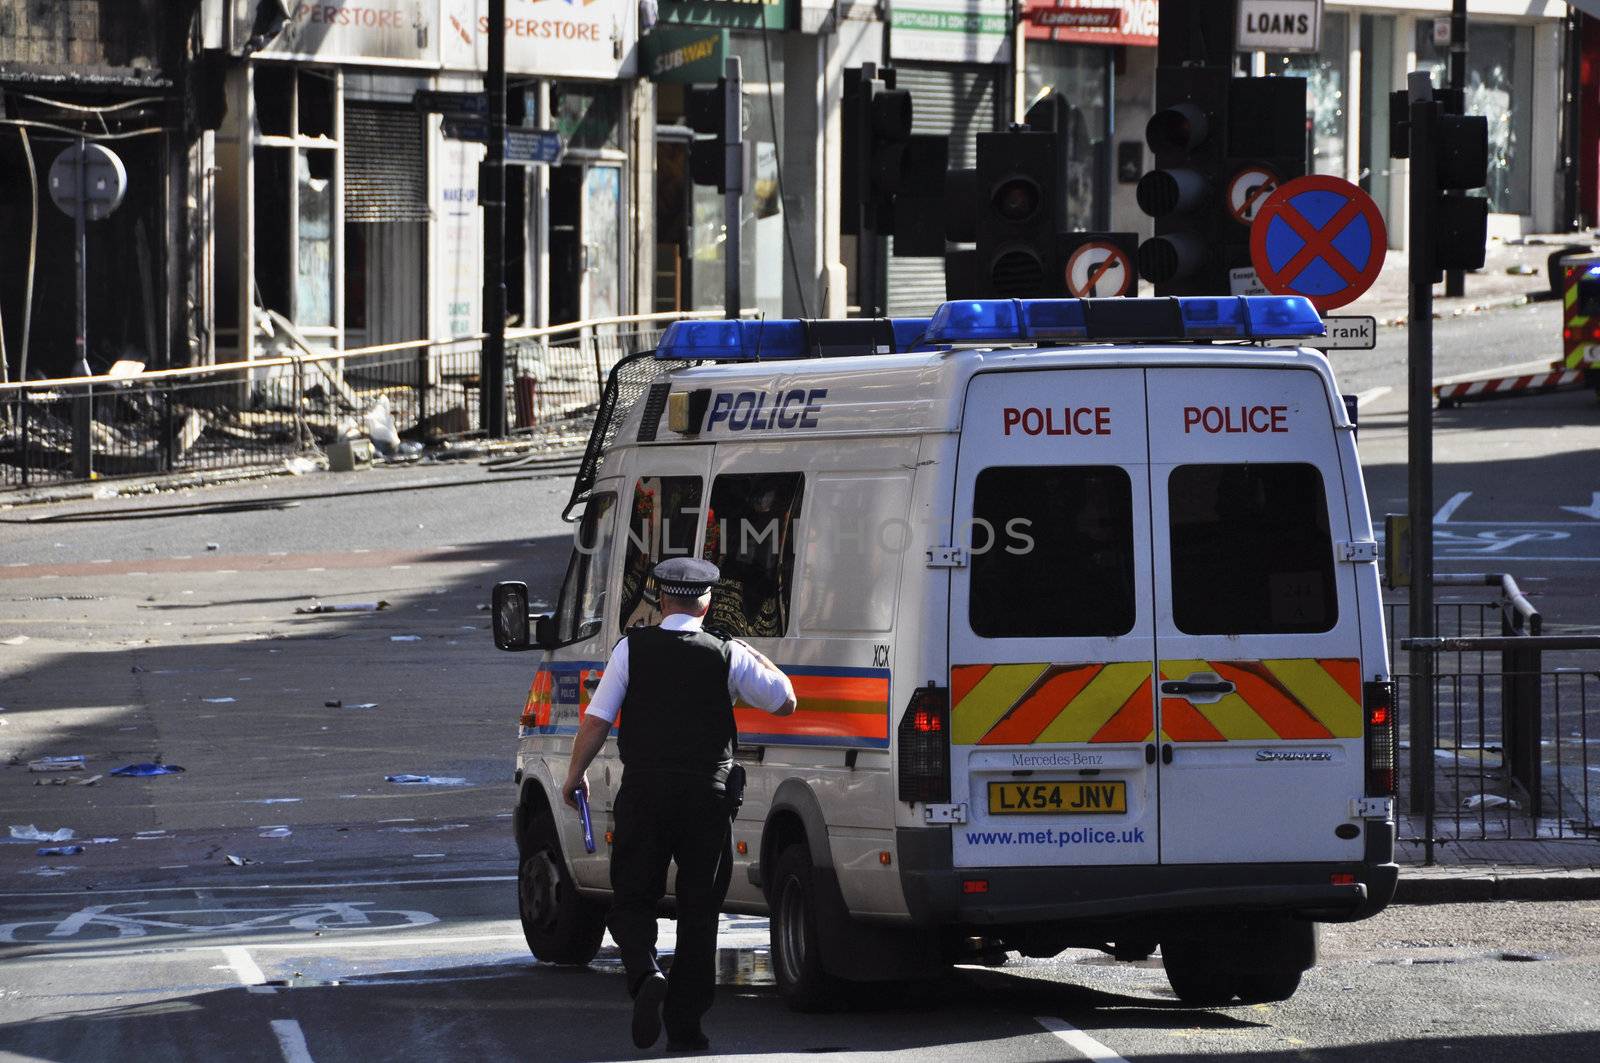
x=1506 y=387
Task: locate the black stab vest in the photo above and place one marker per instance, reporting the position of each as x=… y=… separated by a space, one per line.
x=677 y=716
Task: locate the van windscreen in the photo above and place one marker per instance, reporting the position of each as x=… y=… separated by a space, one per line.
x=1251 y=553
x=1052 y=552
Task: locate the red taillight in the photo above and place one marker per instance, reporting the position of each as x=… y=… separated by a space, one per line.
x=1343 y=878
x=924 y=746
x=975 y=885
x=1383 y=738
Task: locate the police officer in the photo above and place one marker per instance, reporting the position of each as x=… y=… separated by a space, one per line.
x=674 y=686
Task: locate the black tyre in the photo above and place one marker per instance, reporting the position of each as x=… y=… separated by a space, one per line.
x=1195 y=972
x=796 y=953
x=561 y=925
x=1264 y=987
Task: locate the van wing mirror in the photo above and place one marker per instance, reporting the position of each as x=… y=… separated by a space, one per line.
x=509 y=608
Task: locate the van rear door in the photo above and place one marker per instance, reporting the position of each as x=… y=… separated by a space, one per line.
x=1256 y=626
x=1051 y=622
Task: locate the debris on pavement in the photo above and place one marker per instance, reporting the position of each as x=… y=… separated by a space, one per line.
x=1522 y=269
x=425 y=780
x=145 y=769
x=219 y=701
x=299 y=466
x=334 y=704
x=60 y=850
x=14 y=640
x=405 y=638
x=345 y=607
x=276 y=801
x=1489 y=801
x=68 y=763
x=238 y=861
x=213 y=546
x=276 y=832
x=30 y=833
x=362 y=705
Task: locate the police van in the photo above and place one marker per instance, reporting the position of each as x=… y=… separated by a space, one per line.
x=1080 y=604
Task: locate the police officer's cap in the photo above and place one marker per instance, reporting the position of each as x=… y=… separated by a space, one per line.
x=685 y=577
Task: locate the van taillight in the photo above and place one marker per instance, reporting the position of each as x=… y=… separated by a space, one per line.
x=1383 y=738
x=925 y=746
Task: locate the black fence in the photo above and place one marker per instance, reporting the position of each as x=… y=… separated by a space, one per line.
x=1516 y=720
x=265 y=412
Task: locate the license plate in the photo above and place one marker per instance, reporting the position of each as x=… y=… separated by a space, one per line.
x=1057 y=798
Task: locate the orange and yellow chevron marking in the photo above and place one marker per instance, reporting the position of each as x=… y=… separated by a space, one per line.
x=536 y=711
x=1023 y=704
x=1278 y=698
x=835 y=707
x=1574 y=326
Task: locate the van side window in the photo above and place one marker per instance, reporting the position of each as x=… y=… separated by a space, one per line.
x=662 y=524
x=581 y=608
x=1251 y=553
x=750 y=537
x=1052 y=552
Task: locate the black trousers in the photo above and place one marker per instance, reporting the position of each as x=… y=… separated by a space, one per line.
x=660 y=819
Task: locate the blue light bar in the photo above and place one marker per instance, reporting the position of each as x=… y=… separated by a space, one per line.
x=777 y=340
x=970 y=321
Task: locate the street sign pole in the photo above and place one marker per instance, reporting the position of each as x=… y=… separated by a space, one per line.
x=492 y=192
x=82 y=405
x=1458 y=82
x=1419 y=432
x=733 y=132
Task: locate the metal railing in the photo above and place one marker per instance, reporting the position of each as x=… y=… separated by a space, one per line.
x=1513 y=754
x=261 y=412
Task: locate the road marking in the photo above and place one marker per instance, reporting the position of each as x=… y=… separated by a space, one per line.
x=1448 y=510
x=469 y=879
x=291 y=1041
x=1080 y=1041
x=74 y=954
x=245 y=968
x=1371 y=395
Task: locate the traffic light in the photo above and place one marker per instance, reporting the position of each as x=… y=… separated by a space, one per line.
x=1449 y=155
x=1019 y=214
x=1188 y=135
x=875 y=135
x=707 y=114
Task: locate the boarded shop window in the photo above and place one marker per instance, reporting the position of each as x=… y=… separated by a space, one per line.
x=1052 y=552
x=750 y=537
x=582 y=606
x=662 y=524
x=1251 y=553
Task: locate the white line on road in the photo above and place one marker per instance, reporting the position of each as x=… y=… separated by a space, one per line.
x=245 y=968
x=124 y=953
x=281 y=887
x=1371 y=395
x=1448 y=510
x=291 y=1041
x=1082 y=1042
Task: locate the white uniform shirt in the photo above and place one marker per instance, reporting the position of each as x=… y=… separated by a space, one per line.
x=749 y=680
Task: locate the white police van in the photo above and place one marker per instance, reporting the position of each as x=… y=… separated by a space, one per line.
x=1080 y=605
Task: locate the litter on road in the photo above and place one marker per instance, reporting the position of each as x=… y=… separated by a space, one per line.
x=276 y=832
x=342 y=607
x=334 y=704
x=72 y=763
x=405 y=638
x=219 y=701
x=363 y=705
x=425 y=780
x=60 y=850
x=1489 y=801
x=142 y=770
x=30 y=833
x=14 y=640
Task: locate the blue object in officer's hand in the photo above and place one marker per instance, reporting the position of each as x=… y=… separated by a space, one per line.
x=588 y=824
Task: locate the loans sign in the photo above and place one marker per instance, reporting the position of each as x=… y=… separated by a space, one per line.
x=1279 y=25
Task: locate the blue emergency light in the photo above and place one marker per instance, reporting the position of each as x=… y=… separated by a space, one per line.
x=1237 y=317
x=775 y=340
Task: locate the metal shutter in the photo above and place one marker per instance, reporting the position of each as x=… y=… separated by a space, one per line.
x=385 y=164
x=960 y=101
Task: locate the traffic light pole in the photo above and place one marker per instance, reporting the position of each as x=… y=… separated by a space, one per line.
x=492 y=193
x=732 y=132
x=1419 y=433
x=1453 y=279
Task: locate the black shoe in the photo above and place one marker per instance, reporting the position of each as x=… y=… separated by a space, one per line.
x=647 y=1010
x=687 y=1041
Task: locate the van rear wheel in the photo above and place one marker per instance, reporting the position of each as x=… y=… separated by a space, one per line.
x=1265 y=987
x=1194 y=971
x=560 y=924
x=796 y=952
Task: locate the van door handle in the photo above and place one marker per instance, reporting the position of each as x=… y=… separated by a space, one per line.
x=1166 y=753
x=1150 y=753
x=1193 y=686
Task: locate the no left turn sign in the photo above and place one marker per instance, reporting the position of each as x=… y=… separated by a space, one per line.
x=1099 y=269
x=1248 y=190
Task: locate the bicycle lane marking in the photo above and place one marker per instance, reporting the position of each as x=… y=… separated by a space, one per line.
x=1081 y=1042
x=279 y=887
x=250 y=975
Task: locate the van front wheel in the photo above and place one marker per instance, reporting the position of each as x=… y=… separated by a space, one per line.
x=796 y=953
x=560 y=924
